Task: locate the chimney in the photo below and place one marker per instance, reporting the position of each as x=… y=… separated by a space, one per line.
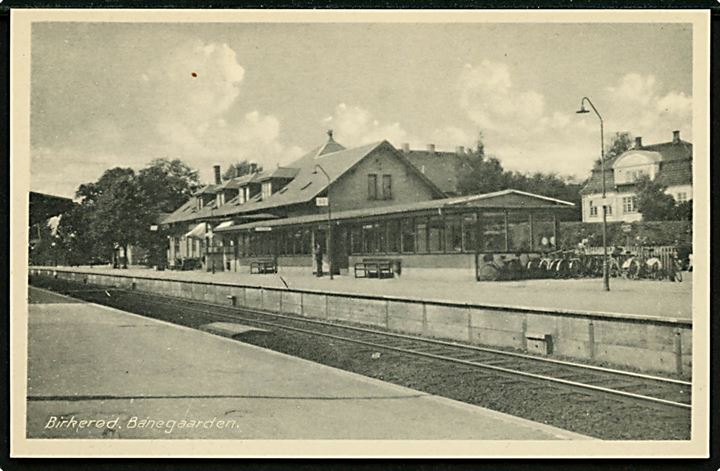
x=638 y=142
x=406 y=147
x=218 y=180
x=253 y=168
x=431 y=147
x=460 y=150
x=676 y=137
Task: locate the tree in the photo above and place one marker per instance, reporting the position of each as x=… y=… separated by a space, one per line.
x=167 y=184
x=75 y=237
x=164 y=186
x=244 y=167
x=117 y=209
x=488 y=175
x=684 y=211
x=619 y=143
x=652 y=201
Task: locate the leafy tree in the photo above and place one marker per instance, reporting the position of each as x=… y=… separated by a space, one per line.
x=167 y=184
x=75 y=237
x=244 y=167
x=652 y=201
x=164 y=186
x=488 y=175
x=117 y=209
x=619 y=143
x=684 y=211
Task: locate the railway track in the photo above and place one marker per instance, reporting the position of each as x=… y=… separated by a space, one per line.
x=647 y=390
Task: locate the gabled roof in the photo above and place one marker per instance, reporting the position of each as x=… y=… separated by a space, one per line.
x=307 y=183
x=444 y=169
x=499 y=199
x=237 y=182
x=285 y=173
x=330 y=146
x=208 y=190
x=675 y=167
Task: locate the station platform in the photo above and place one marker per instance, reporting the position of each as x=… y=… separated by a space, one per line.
x=146 y=378
x=663 y=299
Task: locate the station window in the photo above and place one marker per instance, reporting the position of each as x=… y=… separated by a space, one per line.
x=543 y=230
x=380 y=237
x=493 y=232
x=469 y=231
x=519 y=231
x=407 y=238
x=356 y=239
x=387 y=187
x=372 y=186
x=305 y=242
x=682 y=197
x=297 y=242
x=453 y=234
x=368 y=238
x=393 y=235
x=421 y=245
x=436 y=228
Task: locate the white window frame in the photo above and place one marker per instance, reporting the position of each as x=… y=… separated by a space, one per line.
x=629 y=204
x=593 y=210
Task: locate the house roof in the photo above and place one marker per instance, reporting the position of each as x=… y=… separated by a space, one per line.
x=444 y=169
x=237 y=182
x=499 y=199
x=286 y=173
x=208 y=190
x=675 y=167
x=306 y=185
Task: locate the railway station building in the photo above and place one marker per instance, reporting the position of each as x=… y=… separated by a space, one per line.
x=336 y=208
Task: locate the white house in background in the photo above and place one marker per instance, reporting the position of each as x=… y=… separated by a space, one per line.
x=667 y=163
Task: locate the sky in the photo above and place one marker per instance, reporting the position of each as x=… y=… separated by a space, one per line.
x=123 y=94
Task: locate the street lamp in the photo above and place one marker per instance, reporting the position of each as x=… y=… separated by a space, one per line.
x=330 y=231
x=582 y=110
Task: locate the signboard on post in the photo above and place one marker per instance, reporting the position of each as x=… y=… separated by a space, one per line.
x=626 y=228
x=321 y=201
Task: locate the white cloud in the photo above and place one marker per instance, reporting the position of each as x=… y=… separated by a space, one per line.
x=354 y=125
x=187 y=105
x=526 y=136
x=637 y=104
x=488 y=97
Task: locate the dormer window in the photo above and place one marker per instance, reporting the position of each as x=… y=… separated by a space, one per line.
x=266 y=189
x=633 y=165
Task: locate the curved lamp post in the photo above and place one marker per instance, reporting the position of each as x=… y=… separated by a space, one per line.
x=330 y=231
x=582 y=110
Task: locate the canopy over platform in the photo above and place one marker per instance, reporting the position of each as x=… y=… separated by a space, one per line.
x=505 y=199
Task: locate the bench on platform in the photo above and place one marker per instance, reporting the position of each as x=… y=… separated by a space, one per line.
x=263 y=266
x=374 y=268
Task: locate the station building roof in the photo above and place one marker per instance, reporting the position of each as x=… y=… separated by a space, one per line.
x=305 y=185
x=505 y=199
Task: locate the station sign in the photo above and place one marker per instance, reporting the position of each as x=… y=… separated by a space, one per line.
x=321 y=201
x=263 y=229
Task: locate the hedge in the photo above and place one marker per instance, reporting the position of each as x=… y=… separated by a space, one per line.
x=677 y=233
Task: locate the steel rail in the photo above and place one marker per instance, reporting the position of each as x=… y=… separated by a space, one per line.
x=613 y=371
x=486 y=366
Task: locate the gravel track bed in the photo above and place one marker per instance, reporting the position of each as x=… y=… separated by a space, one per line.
x=598 y=416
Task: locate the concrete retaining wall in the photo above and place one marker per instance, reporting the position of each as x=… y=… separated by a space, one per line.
x=647 y=344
